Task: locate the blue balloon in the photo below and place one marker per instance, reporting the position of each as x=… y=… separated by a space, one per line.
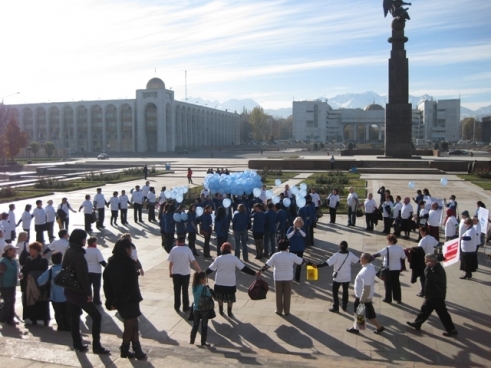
x=287 y=202
x=199 y=211
x=177 y=217
x=301 y=202
x=184 y=216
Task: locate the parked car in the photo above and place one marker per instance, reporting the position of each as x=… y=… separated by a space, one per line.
x=458 y=152
x=103 y=156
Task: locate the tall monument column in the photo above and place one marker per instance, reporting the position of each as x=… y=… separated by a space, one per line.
x=398 y=129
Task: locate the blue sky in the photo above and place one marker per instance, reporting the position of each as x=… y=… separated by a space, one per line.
x=270 y=51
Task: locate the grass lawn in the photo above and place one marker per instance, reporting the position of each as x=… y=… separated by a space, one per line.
x=474 y=179
x=24 y=194
x=285 y=175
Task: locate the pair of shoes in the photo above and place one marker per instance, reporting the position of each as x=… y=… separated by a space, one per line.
x=464 y=277
x=386 y=301
x=125 y=351
x=399 y=301
x=421 y=295
x=100 y=350
x=287 y=314
x=344 y=309
x=353 y=330
x=334 y=310
x=451 y=333
x=415 y=325
x=205 y=344
x=379 y=330
x=81 y=348
x=279 y=314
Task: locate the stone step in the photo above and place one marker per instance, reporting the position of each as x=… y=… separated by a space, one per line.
x=399 y=170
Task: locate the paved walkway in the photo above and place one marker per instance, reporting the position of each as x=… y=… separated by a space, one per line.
x=310 y=336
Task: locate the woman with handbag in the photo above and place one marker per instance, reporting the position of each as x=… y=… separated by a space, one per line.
x=393 y=254
x=225 y=280
x=74 y=261
x=200 y=290
x=123 y=294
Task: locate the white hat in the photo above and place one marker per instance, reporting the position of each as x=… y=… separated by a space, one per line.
x=8 y=247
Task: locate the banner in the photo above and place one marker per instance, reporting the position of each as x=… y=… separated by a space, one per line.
x=451 y=252
x=483 y=215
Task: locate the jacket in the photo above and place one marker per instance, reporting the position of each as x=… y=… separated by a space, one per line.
x=240 y=222
x=271 y=221
x=436 y=282
x=259 y=222
x=121 y=282
x=8 y=272
x=74 y=259
x=189 y=223
x=57 y=294
x=297 y=241
x=32 y=264
x=416 y=259
x=221 y=227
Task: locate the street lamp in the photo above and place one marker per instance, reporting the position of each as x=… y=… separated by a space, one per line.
x=13 y=94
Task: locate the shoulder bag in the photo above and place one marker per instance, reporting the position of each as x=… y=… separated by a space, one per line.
x=383 y=272
x=66 y=279
x=205 y=302
x=335 y=273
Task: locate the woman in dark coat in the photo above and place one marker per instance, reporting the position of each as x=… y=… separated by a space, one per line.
x=35 y=265
x=74 y=260
x=123 y=293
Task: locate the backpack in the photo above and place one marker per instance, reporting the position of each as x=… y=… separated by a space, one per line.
x=258 y=289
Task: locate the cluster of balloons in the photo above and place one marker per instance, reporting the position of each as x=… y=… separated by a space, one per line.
x=299 y=193
x=178 y=217
x=176 y=193
x=237 y=183
x=443 y=181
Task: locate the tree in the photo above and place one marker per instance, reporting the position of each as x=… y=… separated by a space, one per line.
x=34 y=148
x=316 y=146
x=468 y=126
x=444 y=146
x=13 y=139
x=258 y=121
x=49 y=148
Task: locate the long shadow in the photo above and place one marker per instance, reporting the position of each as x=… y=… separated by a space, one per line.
x=148 y=331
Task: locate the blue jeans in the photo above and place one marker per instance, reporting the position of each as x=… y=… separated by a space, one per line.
x=269 y=237
x=241 y=241
x=351 y=216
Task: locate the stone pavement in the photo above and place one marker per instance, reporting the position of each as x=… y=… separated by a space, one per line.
x=310 y=336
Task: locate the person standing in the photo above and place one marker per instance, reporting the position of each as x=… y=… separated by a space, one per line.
x=192 y=229
x=240 y=224
x=180 y=258
x=428 y=244
x=123 y=206
x=190 y=176
x=396 y=215
x=88 y=208
x=283 y=220
x=9 y=274
x=39 y=221
x=122 y=293
x=99 y=203
x=169 y=227
x=341 y=263
x=114 y=207
x=305 y=214
x=26 y=220
x=151 y=202
x=393 y=254
x=74 y=259
x=370 y=206
x=468 y=247
x=6 y=227
x=406 y=216
x=387 y=213
x=296 y=235
x=60 y=245
x=12 y=223
x=200 y=289
x=364 y=291
x=333 y=160
x=206 y=229
x=435 y=294
x=451 y=225
x=352 y=203
x=434 y=216
x=137 y=200
x=333 y=201
x=50 y=220
x=145 y=171
x=66 y=208
x=270 y=227
x=316 y=200
x=95 y=260
x=222 y=224
x=145 y=190
x=259 y=221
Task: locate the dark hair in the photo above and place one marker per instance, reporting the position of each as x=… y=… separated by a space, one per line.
x=221 y=213
x=36 y=245
x=77 y=236
x=424 y=229
x=343 y=244
x=62 y=233
x=28 y=207
x=87 y=196
x=270 y=205
x=56 y=257
x=283 y=244
x=181 y=239
x=121 y=247
x=192 y=208
x=481 y=204
x=197 y=277
x=278 y=206
x=171 y=208
x=92 y=240
x=392 y=238
x=39 y=201
x=226 y=248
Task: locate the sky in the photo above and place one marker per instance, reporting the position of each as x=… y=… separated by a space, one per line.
x=270 y=51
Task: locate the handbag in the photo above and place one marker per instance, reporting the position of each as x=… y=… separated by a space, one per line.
x=66 y=279
x=359 y=213
x=360 y=317
x=258 y=289
x=205 y=302
x=383 y=272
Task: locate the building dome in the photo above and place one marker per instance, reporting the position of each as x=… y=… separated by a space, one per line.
x=373 y=107
x=155 y=83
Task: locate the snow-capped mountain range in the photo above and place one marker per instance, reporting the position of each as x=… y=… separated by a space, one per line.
x=346 y=101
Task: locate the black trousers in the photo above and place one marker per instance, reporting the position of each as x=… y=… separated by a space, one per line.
x=192 y=242
x=169 y=242
x=387 y=225
x=298 y=268
x=332 y=214
x=151 y=211
x=88 y=221
x=65 y=222
x=100 y=221
x=40 y=229
x=181 y=286
x=124 y=214
x=50 y=227
x=369 y=220
x=137 y=212
x=114 y=216
x=206 y=246
x=405 y=226
x=393 y=287
x=7 y=313
x=95 y=282
x=203 y=317
x=62 y=315
x=335 y=297
x=438 y=305
x=311 y=234
x=91 y=310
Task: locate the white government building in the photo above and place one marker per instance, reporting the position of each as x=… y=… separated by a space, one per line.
x=152 y=122
x=315 y=120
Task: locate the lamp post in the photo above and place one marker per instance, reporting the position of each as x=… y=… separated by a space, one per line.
x=13 y=94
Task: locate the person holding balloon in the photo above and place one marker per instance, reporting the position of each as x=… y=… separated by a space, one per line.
x=258 y=228
x=191 y=228
x=222 y=224
x=240 y=224
x=206 y=229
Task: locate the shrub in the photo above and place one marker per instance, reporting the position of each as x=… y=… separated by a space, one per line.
x=133 y=171
x=52 y=183
x=336 y=177
x=7 y=192
x=483 y=173
x=101 y=176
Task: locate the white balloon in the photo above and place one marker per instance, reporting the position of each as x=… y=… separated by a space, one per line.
x=167 y=194
x=444 y=182
x=303 y=193
x=277 y=182
x=287 y=202
x=179 y=198
x=199 y=211
x=275 y=199
x=303 y=186
x=301 y=202
x=411 y=185
x=256 y=192
x=269 y=194
x=294 y=189
x=226 y=202
x=173 y=194
x=185 y=189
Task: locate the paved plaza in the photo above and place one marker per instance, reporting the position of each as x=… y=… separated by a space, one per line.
x=311 y=336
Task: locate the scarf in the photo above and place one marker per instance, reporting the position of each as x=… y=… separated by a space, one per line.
x=450 y=213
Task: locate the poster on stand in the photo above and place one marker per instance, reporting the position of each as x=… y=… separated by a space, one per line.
x=451 y=252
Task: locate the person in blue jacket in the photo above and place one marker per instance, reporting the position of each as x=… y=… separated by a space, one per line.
x=169 y=227
x=222 y=224
x=283 y=220
x=163 y=209
x=57 y=295
x=258 y=229
x=313 y=222
x=181 y=226
x=296 y=235
x=305 y=214
x=206 y=229
x=192 y=229
x=270 y=230
x=241 y=222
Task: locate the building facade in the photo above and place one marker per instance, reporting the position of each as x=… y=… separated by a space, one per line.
x=152 y=122
x=486 y=129
x=440 y=120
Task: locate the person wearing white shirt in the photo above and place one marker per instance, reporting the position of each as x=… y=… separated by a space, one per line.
x=95 y=261
x=180 y=258
x=137 y=200
x=39 y=221
x=162 y=195
x=341 y=263
x=282 y=262
x=99 y=203
x=468 y=246
x=123 y=205
x=12 y=222
x=88 y=208
x=352 y=206
x=477 y=227
x=287 y=192
x=60 y=245
x=370 y=206
x=364 y=291
x=204 y=192
x=422 y=214
x=151 y=202
x=316 y=199
x=333 y=201
x=26 y=220
x=50 y=220
x=2 y=242
x=225 y=266
x=462 y=228
x=114 y=207
x=6 y=227
x=451 y=225
x=145 y=190
x=387 y=214
x=64 y=213
x=406 y=216
x=396 y=215
x=434 y=217
x=393 y=254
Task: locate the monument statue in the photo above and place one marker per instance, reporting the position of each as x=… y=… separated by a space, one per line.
x=395 y=7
